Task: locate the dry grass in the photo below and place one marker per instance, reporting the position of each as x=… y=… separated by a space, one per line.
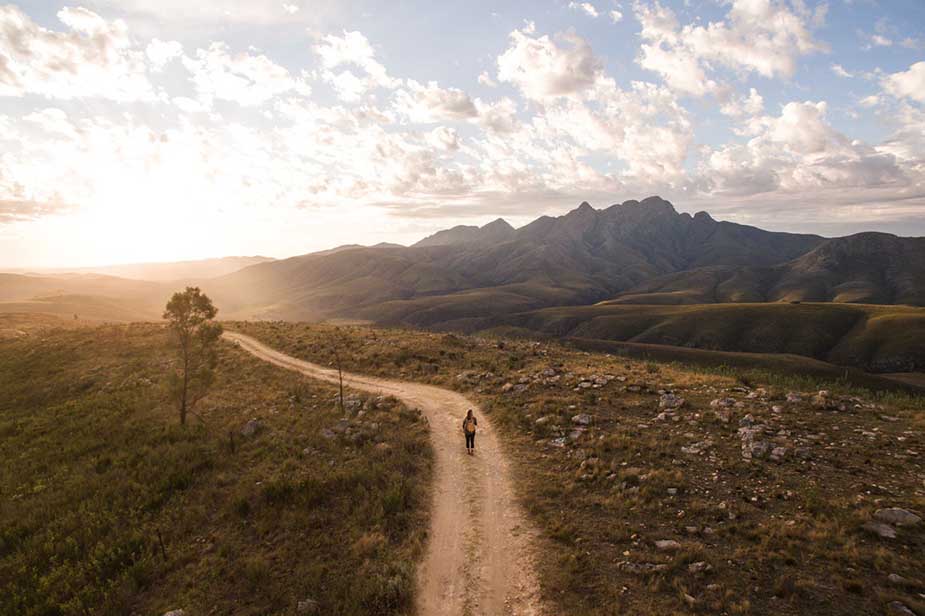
x=753 y=536
x=107 y=506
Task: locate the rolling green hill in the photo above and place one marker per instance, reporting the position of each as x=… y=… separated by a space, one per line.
x=875 y=338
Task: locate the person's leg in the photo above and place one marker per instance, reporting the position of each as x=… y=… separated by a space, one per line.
x=472 y=441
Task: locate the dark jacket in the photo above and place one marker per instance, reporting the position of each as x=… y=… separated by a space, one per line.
x=464 y=423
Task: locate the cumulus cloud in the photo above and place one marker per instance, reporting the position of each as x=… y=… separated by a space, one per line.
x=542 y=69
x=161 y=52
x=243 y=78
x=352 y=49
x=585 y=7
x=93 y=58
x=431 y=103
x=616 y=16
x=799 y=151
x=561 y=128
x=907 y=84
x=750 y=105
x=760 y=36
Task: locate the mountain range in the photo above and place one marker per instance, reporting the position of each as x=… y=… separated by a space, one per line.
x=638 y=271
x=637 y=252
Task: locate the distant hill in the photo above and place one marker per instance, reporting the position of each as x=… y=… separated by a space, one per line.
x=875 y=338
x=464 y=273
x=496 y=231
x=177 y=270
x=873 y=268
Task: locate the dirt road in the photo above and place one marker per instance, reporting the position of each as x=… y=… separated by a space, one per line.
x=479 y=554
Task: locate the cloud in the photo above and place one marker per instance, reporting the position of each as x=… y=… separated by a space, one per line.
x=907 y=84
x=586 y=7
x=431 y=103
x=499 y=116
x=616 y=16
x=750 y=105
x=839 y=70
x=244 y=78
x=160 y=52
x=757 y=36
x=352 y=49
x=799 y=152
x=93 y=58
x=542 y=69
x=486 y=80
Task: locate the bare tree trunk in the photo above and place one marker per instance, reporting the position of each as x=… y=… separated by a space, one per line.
x=185 y=387
x=340 y=377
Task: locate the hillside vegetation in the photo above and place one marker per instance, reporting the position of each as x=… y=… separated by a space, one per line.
x=874 y=338
x=663 y=489
x=272 y=500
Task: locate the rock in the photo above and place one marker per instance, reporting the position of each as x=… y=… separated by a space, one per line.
x=778 y=454
x=723 y=415
x=897 y=516
x=793 y=397
x=672 y=491
x=894 y=578
x=723 y=403
x=307 y=606
x=824 y=401
x=558 y=442
x=689 y=600
x=884 y=531
x=752 y=447
x=756 y=450
x=747 y=421
x=899 y=609
x=699 y=568
x=507 y=387
x=582 y=419
x=545 y=419
x=175 y=613
x=670 y=401
x=667 y=545
x=697 y=448
x=328 y=433
x=251 y=428
x=639 y=568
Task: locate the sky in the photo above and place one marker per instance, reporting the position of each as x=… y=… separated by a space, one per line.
x=157 y=130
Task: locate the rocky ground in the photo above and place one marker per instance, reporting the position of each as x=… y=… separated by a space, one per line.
x=662 y=489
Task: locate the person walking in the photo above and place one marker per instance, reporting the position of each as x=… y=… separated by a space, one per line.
x=470 y=423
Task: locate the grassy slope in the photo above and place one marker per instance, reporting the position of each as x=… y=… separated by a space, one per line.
x=94 y=467
x=785 y=537
x=876 y=338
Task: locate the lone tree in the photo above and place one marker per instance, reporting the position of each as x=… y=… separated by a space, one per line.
x=189 y=315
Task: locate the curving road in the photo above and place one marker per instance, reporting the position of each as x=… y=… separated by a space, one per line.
x=479 y=558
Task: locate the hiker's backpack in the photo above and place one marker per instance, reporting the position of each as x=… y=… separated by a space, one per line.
x=470 y=425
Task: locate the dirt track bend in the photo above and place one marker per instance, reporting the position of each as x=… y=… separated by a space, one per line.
x=479 y=558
